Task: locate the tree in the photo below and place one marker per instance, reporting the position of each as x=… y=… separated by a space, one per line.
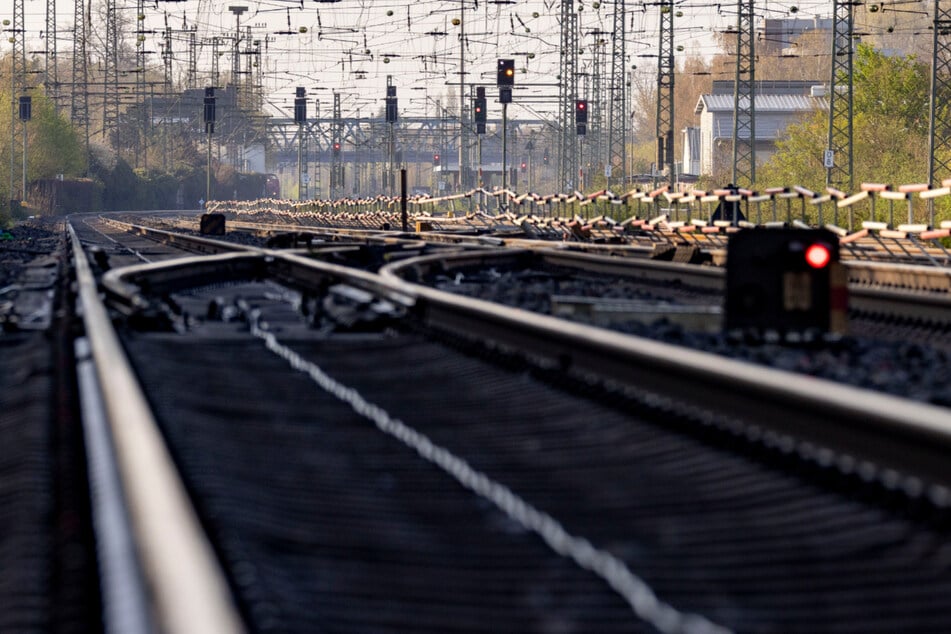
x=889 y=123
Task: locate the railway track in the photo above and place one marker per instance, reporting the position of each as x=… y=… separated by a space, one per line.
x=357 y=453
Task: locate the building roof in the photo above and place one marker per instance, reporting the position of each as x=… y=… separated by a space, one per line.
x=763 y=103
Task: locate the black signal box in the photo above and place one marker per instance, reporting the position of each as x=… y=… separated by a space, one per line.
x=785 y=281
x=26 y=108
x=209 y=110
x=506 y=73
x=581 y=111
x=300 y=106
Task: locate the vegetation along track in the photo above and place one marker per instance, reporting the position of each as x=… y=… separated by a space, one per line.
x=365 y=455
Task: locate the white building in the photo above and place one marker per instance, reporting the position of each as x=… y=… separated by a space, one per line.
x=773 y=113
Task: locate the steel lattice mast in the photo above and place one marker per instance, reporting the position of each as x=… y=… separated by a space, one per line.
x=79 y=93
x=191 y=76
x=336 y=167
x=617 y=96
x=939 y=151
x=17 y=85
x=596 y=102
x=51 y=75
x=665 y=91
x=141 y=146
x=568 y=92
x=744 y=97
x=110 y=98
x=839 y=156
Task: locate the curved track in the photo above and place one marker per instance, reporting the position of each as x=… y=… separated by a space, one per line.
x=366 y=455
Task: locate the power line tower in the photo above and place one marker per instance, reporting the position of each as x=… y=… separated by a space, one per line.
x=838 y=158
x=215 y=67
x=79 y=95
x=141 y=145
x=665 y=91
x=595 y=131
x=18 y=85
x=110 y=100
x=50 y=74
x=939 y=151
x=744 y=98
x=167 y=56
x=336 y=166
x=617 y=95
x=568 y=93
x=191 y=76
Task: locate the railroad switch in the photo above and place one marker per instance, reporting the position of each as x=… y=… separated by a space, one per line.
x=786 y=281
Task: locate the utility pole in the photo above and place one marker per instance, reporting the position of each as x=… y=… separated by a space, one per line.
x=665 y=92
x=617 y=96
x=838 y=156
x=744 y=95
x=939 y=151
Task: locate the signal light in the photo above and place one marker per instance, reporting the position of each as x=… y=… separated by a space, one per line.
x=300 y=106
x=818 y=256
x=581 y=111
x=435 y=159
x=478 y=109
x=336 y=147
x=26 y=108
x=524 y=166
x=210 y=110
x=506 y=72
x=787 y=281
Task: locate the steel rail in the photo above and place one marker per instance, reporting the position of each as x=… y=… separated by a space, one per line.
x=903 y=291
x=894 y=439
x=188 y=588
x=882 y=432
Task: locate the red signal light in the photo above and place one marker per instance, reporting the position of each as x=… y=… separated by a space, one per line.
x=818 y=256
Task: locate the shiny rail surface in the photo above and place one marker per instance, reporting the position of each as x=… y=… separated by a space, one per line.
x=177 y=562
x=872 y=441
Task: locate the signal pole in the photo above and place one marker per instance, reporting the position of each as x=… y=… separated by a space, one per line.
x=940 y=120
x=617 y=94
x=838 y=160
x=568 y=92
x=463 y=130
x=744 y=95
x=665 y=90
x=300 y=116
x=505 y=78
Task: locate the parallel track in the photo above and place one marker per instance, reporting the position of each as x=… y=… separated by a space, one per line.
x=327 y=464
